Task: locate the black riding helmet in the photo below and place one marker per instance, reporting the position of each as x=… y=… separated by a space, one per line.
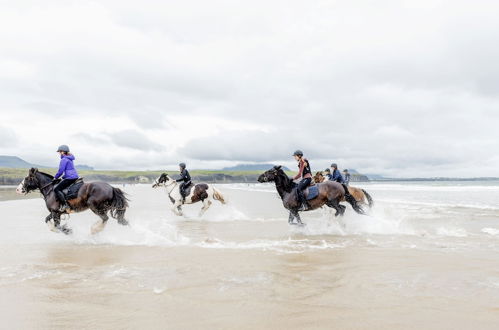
x=334 y=165
x=298 y=153
x=63 y=148
x=182 y=165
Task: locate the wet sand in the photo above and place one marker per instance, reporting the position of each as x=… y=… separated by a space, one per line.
x=244 y=268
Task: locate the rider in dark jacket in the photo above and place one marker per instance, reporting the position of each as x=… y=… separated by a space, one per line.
x=347 y=176
x=185 y=178
x=305 y=174
x=336 y=175
x=69 y=176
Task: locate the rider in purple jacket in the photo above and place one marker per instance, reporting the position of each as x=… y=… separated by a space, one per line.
x=69 y=175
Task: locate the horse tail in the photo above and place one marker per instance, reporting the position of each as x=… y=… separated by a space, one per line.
x=218 y=196
x=369 y=198
x=119 y=203
x=352 y=201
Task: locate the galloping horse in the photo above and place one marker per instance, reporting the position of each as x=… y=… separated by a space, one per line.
x=199 y=192
x=329 y=193
x=99 y=197
x=360 y=195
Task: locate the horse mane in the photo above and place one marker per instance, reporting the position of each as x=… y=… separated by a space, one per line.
x=51 y=177
x=286 y=181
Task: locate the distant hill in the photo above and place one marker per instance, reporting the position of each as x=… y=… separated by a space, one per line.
x=252 y=167
x=16 y=162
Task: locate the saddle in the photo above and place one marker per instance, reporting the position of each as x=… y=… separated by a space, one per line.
x=311 y=192
x=187 y=189
x=71 y=192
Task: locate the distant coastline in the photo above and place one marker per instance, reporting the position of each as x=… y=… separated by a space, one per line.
x=12 y=176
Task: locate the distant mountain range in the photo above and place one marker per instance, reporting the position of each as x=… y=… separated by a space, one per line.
x=16 y=162
x=252 y=167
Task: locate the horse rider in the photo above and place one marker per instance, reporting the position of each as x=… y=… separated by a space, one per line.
x=69 y=175
x=305 y=174
x=185 y=178
x=346 y=175
x=335 y=175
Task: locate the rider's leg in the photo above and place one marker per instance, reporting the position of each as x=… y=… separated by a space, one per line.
x=60 y=195
x=299 y=190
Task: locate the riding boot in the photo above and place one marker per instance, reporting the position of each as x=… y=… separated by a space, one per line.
x=63 y=205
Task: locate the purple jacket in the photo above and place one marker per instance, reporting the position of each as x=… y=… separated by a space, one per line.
x=66 y=166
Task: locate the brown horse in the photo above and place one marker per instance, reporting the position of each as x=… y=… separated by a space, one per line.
x=360 y=195
x=329 y=193
x=100 y=197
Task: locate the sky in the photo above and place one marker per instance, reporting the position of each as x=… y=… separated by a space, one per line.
x=397 y=88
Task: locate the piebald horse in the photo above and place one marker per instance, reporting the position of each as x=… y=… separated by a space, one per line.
x=100 y=197
x=200 y=192
x=360 y=195
x=329 y=193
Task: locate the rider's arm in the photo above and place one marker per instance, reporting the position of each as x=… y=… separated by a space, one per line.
x=182 y=176
x=62 y=168
x=302 y=166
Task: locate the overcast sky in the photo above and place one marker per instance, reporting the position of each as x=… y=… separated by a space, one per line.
x=400 y=88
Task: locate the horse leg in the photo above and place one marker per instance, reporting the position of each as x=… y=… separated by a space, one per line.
x=206 y=206
x=298 y=219
x=177 y=208
x=51 y=222
x=291 y=218
x=99 y=225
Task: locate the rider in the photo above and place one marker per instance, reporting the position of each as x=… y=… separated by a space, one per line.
x=336 y=175
x=67 y=168
x=305 y=174
x=347 y=176
x=185 y=178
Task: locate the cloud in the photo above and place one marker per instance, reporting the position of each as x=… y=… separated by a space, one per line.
x=134 y=140
x=399 y=88
x=8 y=137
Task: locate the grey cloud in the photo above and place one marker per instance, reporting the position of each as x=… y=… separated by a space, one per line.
x=8 y=137
x=133 y=139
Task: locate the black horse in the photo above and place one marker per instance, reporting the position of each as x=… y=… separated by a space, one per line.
x=100 y=197
x=329 y=193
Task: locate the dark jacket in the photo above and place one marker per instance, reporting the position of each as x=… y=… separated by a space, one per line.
x=184 y=176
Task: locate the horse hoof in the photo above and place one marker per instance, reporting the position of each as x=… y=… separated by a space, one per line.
x=66 y=230
x=52 y=227
x=123 y=222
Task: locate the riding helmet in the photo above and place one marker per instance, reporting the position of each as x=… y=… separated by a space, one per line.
x=334 y=165
x=63 y=148
x=327 y=170
x=298 y=153
x=345 y=170
x=182 y=165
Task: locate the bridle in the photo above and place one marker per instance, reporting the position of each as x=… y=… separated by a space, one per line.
x=173 y=184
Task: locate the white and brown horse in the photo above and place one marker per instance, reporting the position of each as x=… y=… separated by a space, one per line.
x=200 y=192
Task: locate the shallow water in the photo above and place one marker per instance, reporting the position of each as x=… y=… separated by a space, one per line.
x=425 y=257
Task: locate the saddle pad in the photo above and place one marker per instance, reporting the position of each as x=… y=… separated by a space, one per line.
x=72 y=191
x=313 y=191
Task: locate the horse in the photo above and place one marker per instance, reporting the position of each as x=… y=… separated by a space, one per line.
x=360 y=195
x=329 y=193
x=200 y=192
x=100 y=197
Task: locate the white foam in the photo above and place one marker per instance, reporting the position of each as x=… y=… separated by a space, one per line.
x=491 y=231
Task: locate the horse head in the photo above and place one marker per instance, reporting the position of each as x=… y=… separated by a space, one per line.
x=162 y=180
x=271 y=175
x=318 y=177
x=29 y=183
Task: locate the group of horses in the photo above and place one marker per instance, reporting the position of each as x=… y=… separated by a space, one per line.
x=104 y=200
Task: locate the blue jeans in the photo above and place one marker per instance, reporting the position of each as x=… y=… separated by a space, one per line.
x=304 y=183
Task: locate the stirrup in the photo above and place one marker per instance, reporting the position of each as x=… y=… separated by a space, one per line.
x=304 y=207
x=64 y=207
